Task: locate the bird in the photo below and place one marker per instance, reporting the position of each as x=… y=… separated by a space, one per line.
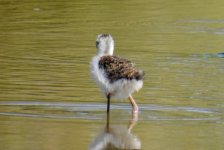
x=117 y=77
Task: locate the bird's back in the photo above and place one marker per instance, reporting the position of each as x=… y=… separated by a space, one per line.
x=117 y=68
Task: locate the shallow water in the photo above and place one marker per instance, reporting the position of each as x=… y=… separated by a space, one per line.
x=47 y=100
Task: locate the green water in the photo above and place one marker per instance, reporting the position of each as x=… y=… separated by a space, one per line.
x=48 y=101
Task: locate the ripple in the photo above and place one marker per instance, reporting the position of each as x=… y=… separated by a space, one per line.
x=96 y=111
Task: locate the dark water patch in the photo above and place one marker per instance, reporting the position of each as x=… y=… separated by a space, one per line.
x=221 y=55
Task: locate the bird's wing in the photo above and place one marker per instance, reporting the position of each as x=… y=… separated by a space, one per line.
x=118 y=68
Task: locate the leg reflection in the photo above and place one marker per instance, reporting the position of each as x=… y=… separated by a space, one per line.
x=117 y=136
x=133 y=121
x=108 y=123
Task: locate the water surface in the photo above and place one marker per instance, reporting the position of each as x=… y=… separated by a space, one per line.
x=48 y=101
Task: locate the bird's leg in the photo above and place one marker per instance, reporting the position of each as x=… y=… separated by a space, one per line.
x=108 y=112
x=108 y=103
x=133 y=103
x=134 y=108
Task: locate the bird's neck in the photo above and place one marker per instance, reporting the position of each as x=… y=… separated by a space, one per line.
x=106 y=52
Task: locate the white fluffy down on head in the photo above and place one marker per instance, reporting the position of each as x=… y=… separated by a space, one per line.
x=119 y=89
x=105 y=44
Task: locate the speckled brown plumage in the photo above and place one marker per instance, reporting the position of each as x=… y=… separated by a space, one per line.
x=118 y=68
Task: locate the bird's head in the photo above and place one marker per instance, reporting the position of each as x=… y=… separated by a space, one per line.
x=105 y=44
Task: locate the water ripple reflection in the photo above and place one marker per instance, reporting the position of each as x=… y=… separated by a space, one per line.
x=96 y=111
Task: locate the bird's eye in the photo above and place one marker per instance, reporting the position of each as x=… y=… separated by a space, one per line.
x=97 y=43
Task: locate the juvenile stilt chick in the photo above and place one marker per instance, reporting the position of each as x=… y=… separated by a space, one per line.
x=117 y=77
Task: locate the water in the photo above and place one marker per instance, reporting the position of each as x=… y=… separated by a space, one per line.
x=47 y=100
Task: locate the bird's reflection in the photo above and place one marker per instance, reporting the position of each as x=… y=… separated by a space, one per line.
x=117 y=137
